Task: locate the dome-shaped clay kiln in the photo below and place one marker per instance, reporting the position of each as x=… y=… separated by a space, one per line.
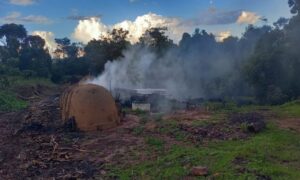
x=92 y=107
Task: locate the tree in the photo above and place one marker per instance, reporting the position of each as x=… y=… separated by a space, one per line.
x=14 y=34
x=108 y=48
x=156 y=40
x=273 y=68
x=34 y=57
x=66 y=49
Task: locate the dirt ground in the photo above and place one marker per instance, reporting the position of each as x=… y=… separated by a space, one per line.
x=289 y=123
x=35 y=144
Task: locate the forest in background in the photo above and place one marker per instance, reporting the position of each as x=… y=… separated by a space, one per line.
x=263 y=63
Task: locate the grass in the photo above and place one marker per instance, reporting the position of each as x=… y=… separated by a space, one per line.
x=155 y=142
x=290 y=109
x=9 y=102
x=21 y=81
x=9 y=86
x=273 y=153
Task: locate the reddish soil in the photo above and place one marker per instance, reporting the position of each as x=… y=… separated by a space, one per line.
x=290 y=123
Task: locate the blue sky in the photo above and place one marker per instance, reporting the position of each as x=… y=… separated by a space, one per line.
x=52 y=15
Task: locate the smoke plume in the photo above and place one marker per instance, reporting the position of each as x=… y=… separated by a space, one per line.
x=183 y=75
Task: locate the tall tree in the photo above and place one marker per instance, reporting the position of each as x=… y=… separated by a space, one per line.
x=34 y=57
x=157 y=40
x=107 y=48
x=14 y=34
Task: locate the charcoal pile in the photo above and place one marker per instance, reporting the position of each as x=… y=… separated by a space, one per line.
x=219 y=131
x=254 y=122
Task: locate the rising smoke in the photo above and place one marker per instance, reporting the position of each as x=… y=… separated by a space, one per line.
x=183 y=74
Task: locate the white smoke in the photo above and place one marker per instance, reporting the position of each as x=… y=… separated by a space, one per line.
x=127 y=72
x=140 y=68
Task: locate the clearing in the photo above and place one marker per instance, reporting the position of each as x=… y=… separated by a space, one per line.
x=34 y=143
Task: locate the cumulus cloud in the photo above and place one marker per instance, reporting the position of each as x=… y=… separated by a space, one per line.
x=222 y=35
x=89 y=29
x=138 y=27
x=248 y=18
x=49 y=40
x=94 y=28
x=16 y=17
x=22 y=2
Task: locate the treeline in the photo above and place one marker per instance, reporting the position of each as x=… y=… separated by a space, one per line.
x=263 y=63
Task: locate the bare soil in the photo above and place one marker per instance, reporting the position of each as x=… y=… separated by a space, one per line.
x=289 y=123
x=35 y=144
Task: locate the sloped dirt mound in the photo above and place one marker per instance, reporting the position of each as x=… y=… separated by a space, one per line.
x=92 y=107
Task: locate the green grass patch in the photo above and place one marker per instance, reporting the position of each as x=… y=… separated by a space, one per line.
x=17 y=81
x=9 y=102
x=155 y=142
x=290 y=109
x=273 y=153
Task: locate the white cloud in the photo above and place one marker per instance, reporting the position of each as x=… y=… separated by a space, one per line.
x=16 y=17
x=49 y=40
x=89 y=29
x=22 y=2
x=248 y=18
x=93 y=28
x=222 y=35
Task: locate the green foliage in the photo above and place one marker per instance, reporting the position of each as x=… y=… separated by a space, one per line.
x=69 y=70
x=273 y=68
x=156 y=40
x=9 y=102
x=98 y=52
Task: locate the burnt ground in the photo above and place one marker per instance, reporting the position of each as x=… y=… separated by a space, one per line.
x=35 y=144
